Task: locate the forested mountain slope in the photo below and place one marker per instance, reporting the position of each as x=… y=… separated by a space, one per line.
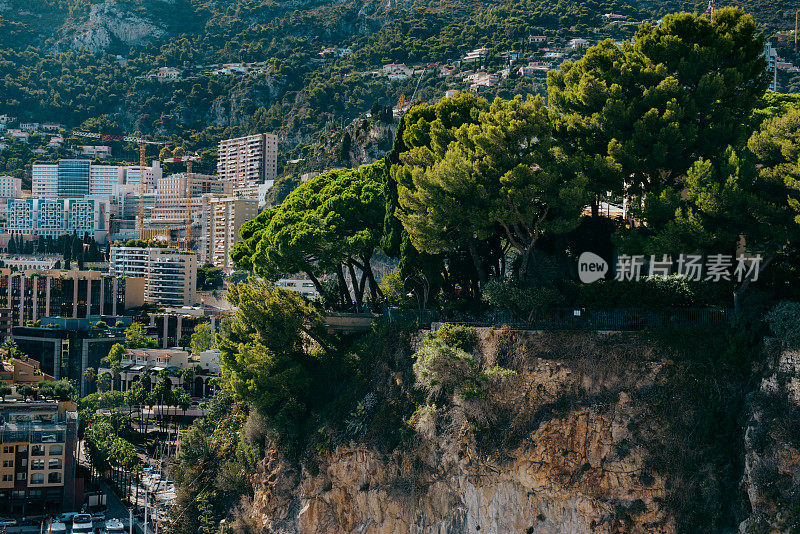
x=72 y=61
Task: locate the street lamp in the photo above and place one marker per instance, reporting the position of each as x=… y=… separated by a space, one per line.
x=422 y=300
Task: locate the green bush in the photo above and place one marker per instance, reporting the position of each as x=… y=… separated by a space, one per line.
x=523 y=301
x=456 y=335
x=443 y=369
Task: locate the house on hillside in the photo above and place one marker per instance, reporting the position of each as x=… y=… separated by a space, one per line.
x=396 y=71
x=166 y=74
x=479 y=54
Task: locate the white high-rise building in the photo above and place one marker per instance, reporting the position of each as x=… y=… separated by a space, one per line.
x=75 y=178
x=250 y=159
x=170 y=274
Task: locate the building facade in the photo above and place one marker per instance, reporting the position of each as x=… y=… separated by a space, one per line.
x=34 y=295
x=57 y=216
x=227 y=215
x=38 y=447
x=71 y=178
x=250 y=159
x=170 y=275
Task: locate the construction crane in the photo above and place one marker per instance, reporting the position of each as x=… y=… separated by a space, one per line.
x=142 y=146
x=712 y=7
x=188 y=160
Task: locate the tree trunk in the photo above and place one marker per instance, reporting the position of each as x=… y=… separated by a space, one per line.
x=477 y=263
x=344 y=292
x=738 y=293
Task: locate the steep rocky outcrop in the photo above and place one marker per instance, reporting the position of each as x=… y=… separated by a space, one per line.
x=113 y=23
x=584 y=438
x=772 y=441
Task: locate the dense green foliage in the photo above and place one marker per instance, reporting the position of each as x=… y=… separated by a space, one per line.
x=329 y=225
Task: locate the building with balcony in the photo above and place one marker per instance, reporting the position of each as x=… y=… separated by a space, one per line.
x=250 y=159
x=227 y=215
x=206 y=367
x=38 y=450
x=170 y=275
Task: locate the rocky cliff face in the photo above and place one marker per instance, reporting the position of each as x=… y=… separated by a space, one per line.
x=772 y=440
x=112 y=23
x=578 y=441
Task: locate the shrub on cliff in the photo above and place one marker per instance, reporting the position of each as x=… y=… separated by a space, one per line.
x=784 y=323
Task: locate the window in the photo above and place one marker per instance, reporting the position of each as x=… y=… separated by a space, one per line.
x=54 y=478
x=22 y=476
x=37 y=464
x=22 y=448
x=18 y=494
x=8 y=449
x=23 y=462
x=37 y=450
x=56 y=450
x=8 y=463
x=54 y=463
x=36 y=478
x=8 y=478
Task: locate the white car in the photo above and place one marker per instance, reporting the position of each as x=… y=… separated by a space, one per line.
x=82 y=524
x=114 y=526
x=56 y=527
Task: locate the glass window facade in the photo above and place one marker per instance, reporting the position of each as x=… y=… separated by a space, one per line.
x=73 y=177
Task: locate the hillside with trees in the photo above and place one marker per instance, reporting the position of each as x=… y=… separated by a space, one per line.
x=92 y=65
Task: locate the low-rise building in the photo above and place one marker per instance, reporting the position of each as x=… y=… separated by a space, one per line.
x=205 y=366
x=165 y=74
x=477 y=55
x=25 y=262
x=23 y=372
x=95 y=151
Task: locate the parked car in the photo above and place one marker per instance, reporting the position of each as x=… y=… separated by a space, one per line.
x=82 y=524
x=66 y=517
x=114 y=526
x=8 y=522
x=56 y=527
x=99 y=517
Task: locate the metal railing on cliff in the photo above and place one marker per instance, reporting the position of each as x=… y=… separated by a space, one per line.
x=572 y=319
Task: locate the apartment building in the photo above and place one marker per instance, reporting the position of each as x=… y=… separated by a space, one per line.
x=21 y=372
x=38 y=446
x=170 y=275
x=227 y=215
x=169 y=209
x=10 y=187
x=250 y=159
x=56 y=216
